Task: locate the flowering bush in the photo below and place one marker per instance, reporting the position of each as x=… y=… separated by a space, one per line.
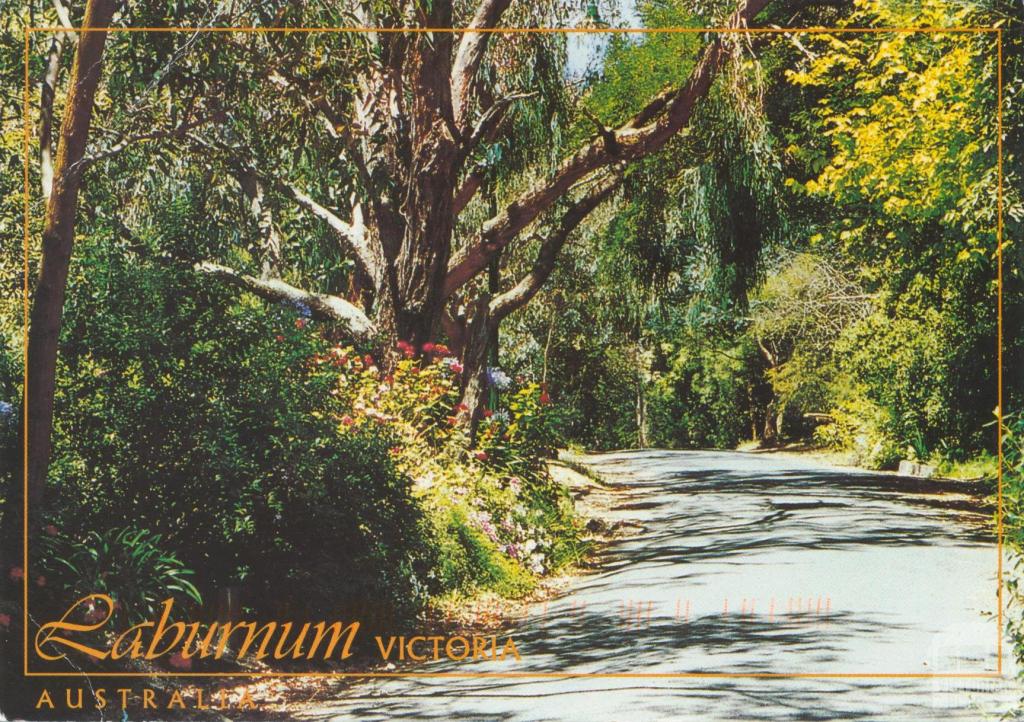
x=495 y=498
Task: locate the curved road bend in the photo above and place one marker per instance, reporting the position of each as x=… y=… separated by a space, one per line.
x=748 y=563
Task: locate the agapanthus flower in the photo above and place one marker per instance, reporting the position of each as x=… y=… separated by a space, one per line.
x=498 y=379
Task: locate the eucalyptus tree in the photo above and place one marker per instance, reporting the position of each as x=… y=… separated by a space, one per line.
x=408 y=122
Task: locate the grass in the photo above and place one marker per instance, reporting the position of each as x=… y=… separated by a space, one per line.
x=982 y=466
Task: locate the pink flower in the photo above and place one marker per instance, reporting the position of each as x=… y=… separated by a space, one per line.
x=180 y=661
x=456 y=367
x=5 y=620
x=406 y=348
x=40 y=581
x=347 y=420
x=50 y=529
x=428 y=347
x=481 y=455
x=16 y=574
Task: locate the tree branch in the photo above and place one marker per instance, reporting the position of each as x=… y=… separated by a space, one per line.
x=353 y=234
x=646 y=133
x=179 y=131
x=470 y=54
x=520 y=294
x=488 y=125
x=47 y=93
x=323 y=306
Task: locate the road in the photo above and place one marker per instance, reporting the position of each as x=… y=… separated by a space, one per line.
x=747 y=564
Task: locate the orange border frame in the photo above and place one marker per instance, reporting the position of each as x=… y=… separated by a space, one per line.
x=998 y=31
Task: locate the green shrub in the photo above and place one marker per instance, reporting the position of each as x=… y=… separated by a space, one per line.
x=132 y=566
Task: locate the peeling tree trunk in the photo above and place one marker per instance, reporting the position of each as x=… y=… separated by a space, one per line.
x=58 y=239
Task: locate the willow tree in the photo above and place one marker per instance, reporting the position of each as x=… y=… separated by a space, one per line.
x=417 y=113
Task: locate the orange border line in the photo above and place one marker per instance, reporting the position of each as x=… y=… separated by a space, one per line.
x=566 y=31
x=520 y=30
x=999 y=343
x=24 y=390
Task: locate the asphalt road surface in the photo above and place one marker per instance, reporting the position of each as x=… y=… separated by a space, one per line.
x=747 y=564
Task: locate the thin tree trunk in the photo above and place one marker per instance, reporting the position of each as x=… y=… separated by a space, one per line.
x=58 y=239
x=474 y=362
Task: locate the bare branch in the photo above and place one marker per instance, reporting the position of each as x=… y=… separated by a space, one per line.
x=325 y=307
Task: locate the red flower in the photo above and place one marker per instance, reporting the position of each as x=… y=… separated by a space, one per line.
x=481 y=455
x=180 y=661
x=453 y=420
x=488 y=413
x=428 y=347
x=395 y=449
x=545 y=397
x=456 y=367
x=406 y=348
x=461 y=407
x=40 y=581
x=347 y=420
x=279 y=337
x=368 y=360
x=5 y=620
x=50 y=529
x=16 y=574
x=300 y=323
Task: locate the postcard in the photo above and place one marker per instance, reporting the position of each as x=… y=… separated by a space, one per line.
x=500 y=360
